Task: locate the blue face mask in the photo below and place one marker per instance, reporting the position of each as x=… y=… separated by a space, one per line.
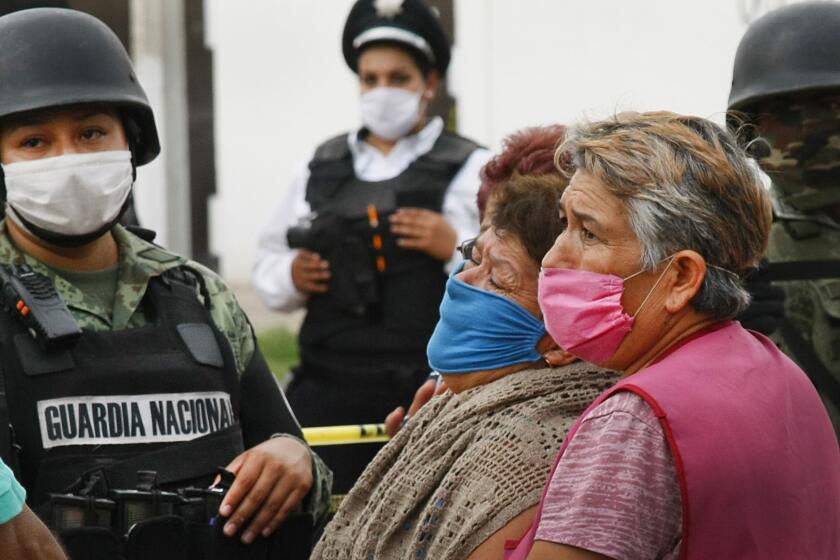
x=480 y=331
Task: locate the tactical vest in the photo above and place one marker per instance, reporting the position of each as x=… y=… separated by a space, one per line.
x=395 y=324
x=128 y=397
x=805 y=260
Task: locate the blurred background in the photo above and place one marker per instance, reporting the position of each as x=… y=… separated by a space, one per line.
x=243 y=90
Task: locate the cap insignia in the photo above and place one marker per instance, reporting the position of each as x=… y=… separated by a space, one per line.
x=388 y=8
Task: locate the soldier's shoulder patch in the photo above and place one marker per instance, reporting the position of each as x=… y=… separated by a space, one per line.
x=158 y=255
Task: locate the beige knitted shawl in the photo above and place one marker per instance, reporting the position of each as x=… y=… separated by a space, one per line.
x=462 y=468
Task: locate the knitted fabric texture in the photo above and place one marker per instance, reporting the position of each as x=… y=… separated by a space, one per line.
x=463 y=467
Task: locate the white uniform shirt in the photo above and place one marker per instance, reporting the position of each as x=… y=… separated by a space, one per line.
x=273 y=269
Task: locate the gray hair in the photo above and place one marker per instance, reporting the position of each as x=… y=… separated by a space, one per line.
x=686 y=184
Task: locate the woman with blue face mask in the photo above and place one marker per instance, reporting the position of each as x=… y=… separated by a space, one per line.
x=464 y=473
x=366 y=235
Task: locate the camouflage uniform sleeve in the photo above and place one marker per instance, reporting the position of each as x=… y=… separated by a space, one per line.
x=229 y=317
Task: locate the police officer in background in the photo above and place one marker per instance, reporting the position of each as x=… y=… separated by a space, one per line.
x=786 y=86
x=368 y=231
x=164 y=375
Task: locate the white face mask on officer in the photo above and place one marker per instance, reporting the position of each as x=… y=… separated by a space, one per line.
x=70 y=199
x=391 y=113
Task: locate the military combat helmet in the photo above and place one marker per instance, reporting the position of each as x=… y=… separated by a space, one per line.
x=53 y=56
x=789 y=50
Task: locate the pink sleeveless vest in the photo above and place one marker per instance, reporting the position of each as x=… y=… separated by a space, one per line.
x=756 y=455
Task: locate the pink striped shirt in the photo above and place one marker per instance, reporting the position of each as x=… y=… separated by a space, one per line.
x=616 y=491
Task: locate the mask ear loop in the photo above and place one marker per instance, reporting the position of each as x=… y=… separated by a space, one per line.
x=650 y=293
x=671 y=260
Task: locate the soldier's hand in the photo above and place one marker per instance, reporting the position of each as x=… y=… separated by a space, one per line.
x=424 y=230
x=393 y=422
x=310 y=272
x=271 y=480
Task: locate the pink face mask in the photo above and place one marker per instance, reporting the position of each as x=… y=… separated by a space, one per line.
x=583 y=312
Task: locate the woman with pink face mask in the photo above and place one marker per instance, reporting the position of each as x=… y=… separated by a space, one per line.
x=714 y=444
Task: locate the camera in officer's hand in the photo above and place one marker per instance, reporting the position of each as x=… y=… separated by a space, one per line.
x=349 y=244
x=317 y=232
x=356 y=239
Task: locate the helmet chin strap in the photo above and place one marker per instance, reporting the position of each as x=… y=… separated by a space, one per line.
x=64 y=240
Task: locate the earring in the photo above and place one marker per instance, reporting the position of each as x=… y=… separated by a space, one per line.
x=548 y=363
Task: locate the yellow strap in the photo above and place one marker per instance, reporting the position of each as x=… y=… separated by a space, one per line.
x=341 y=435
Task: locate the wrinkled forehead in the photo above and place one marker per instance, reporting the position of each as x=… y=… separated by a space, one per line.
x=584 y=188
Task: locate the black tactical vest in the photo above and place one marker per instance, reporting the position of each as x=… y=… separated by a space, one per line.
x=130 y=394
x=393 y=325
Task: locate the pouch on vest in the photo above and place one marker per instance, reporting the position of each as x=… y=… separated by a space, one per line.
x=157 y=538
x=92 y=543
x=293 y=540
x=125 y=394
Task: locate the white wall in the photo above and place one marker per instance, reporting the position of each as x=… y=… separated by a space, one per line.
x=556 y=61
x=281 y=87
x=281 y=84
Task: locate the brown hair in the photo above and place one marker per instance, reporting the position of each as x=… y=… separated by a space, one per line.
x=526 y=206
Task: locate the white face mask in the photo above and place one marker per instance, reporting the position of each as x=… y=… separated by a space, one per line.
x=69 y=195
x=390 y=113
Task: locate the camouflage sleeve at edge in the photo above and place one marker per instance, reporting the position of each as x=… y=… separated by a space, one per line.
x=229 y=317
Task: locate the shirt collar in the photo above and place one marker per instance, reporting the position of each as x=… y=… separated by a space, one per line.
x=139 y=262
x=417 y=144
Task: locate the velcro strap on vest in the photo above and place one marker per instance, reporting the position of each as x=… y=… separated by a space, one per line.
x=180 y=462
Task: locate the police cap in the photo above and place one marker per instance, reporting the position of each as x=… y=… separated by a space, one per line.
x=52 y=56
x=789 y=50
x=409 y=22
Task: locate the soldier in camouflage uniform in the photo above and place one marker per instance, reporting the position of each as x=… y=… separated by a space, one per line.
x=160 y=332
x=786 y=96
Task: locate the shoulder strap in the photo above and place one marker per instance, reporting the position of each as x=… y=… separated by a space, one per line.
x=185 y=276
x=145 y=234
x=335 y=148
x=330 y=168
x=449 y=153
x=452 y=148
